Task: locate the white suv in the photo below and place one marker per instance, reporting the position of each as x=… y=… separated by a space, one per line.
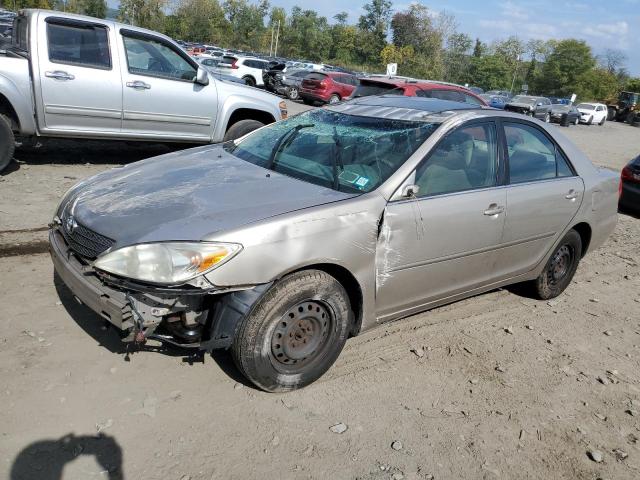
x=247 y=68
x=592 y=113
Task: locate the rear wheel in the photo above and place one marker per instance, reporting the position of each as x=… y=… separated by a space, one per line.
x=241 y=128
x=294 y=333
x=293 y=93
x=7 y=142
x=249 y=80
x=335 y=98
x=559 y=270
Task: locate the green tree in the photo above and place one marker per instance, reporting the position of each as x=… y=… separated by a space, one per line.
x=143 y=13
x=490 y=72
x=597 y=84
x=456 y=58
x=565 y=65
x=375 y=21
x=199 y=21
x=479 y=49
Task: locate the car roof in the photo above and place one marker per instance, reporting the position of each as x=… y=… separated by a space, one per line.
x=400 y=107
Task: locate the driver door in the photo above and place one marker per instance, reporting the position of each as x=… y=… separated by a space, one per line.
x=160 y=98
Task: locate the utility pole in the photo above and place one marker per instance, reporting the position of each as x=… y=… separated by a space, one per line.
x=271 y=45
x=275 y=53
x=515 y=72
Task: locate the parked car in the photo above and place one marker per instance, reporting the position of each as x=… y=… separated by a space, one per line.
x=270 y=72
x=283 y=243
x=73 y=76
x=327 y=87
x=289 y=83
x=539 y=107
x=593 y=113
x=495 y=101
x=565 y=114
x=630 y=187
x=415 y=88
x=501 y=93
x=211 y=63
x=247 y=68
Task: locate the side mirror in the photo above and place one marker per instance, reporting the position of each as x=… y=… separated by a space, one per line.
x=409 y=191
x=202 y=77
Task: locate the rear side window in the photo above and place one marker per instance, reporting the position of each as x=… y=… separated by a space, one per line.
x=451 y=95
x=228 y=60
x=372 y=88
x=84 y=46
x=532 y=155
x=316 y=76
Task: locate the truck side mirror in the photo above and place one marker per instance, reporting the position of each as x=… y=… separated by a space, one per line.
x=202 y=77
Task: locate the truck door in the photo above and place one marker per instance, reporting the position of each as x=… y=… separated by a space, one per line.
x=79 y=77
x=160 y=98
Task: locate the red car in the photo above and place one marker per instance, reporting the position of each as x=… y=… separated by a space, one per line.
x=416 y=88
x=327 y=87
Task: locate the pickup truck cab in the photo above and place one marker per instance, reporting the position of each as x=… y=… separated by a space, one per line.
x=73 y=76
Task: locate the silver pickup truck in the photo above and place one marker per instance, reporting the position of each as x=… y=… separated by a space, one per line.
x=73 y=76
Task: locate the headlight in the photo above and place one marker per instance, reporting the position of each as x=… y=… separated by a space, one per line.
x=167 y=263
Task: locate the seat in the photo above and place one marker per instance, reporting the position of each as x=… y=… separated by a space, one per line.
x=527 y=166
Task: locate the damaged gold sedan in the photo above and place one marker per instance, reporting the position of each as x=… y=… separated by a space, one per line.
x=283 y=243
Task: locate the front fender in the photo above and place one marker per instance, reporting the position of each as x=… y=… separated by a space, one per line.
x=232 y=98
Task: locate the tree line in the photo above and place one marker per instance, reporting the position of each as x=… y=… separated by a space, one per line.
x=423 y=43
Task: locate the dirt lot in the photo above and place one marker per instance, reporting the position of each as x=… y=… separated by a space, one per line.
x=508 y=387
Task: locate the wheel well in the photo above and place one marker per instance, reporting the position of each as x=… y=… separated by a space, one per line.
x=7 y=109
x=350 y=284
x=250 y=114
x=584 y=230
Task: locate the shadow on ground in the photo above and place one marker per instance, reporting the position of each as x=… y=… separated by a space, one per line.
x=46 y=459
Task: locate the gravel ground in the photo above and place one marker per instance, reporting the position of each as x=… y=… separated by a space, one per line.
x=498 y=386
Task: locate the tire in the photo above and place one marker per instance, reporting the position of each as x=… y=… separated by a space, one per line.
x=241 y=128
x=7 y=142
x=293 y=93
x=590 y=122
x=249 y=80
x=335 y=98
x=601 y=123
x=576 y=122
x=294 y=333
x=559 y=270
x=547 y=118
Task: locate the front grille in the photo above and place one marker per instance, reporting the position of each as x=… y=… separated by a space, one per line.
x=83 y=241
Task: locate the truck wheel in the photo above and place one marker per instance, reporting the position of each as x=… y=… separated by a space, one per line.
x=294 y=333
x=559 y=270
x=241 y=128
x=7 y=142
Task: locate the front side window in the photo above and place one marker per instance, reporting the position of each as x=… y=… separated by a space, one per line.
x=348 y=153
x=451 y=95
x=150 y=57
x=532 y=155
x=466 y=159
x=471 y=100
x=84 y=46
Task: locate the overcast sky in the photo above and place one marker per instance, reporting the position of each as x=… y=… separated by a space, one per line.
x=602 y=23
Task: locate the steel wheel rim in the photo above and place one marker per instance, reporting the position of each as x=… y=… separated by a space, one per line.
x=293 y=94
x=334 y=99
x=301 y=335
x=560 y=265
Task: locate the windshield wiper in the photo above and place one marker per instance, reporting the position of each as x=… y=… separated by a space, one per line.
x=337 y=158
x=284 y=141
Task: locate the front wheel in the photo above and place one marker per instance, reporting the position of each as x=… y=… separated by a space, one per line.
x=590 y=122
x=576 y=121
x=547 y=118
x=335 y=98
x=559 y=270
x=602 y=121
x=241 y=128
x=294 y=333
x=7 y=142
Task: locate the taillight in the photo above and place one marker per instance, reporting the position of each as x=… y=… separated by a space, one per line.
x=234 y=66
x=628 y=175
x=324 y=84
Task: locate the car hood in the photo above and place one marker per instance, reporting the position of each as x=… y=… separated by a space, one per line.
x=188 y=195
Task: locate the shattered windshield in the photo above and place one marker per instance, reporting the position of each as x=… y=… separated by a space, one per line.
x=348 y=153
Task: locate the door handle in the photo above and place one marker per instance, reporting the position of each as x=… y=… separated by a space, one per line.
x=572 y=195
x=59 y=75
x=493 y=210
x=138 y=85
